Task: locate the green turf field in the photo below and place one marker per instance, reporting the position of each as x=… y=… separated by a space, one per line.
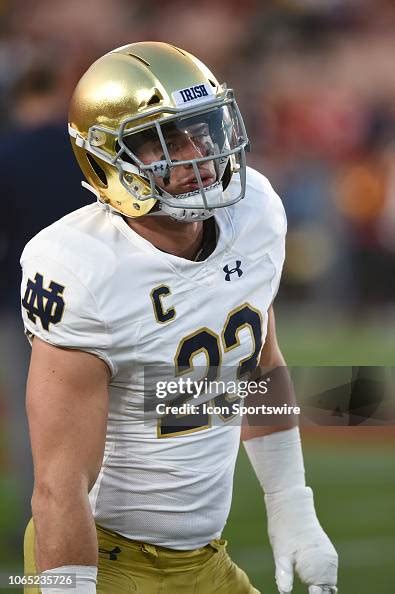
x=325 y=338
x=10 y=550
x=355 y=497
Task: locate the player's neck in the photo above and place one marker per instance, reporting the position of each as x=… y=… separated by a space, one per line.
x=180 y=239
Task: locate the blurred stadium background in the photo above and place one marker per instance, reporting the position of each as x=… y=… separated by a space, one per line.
x=315 y=82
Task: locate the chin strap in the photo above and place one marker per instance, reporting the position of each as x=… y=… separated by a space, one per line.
x=183 y=215
x=178 y=214
x=87 y=186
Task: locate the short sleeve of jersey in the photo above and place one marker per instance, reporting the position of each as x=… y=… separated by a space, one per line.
x=262 y=223
x=58 y=308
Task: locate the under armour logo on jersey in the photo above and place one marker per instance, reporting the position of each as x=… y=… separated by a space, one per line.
x=44 y=303
x=230 y=271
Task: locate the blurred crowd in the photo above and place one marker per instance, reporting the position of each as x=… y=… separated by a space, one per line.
x=315 y=82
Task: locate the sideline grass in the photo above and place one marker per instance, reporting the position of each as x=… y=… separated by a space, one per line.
x=354 y=487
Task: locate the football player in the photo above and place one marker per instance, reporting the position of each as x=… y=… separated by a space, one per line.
x=175 y=266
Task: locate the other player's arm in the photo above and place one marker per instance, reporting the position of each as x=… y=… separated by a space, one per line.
x=67 y=404
x=275 y=452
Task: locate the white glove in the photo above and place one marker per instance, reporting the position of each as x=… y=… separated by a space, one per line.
x=296 y=536
x=299 y=542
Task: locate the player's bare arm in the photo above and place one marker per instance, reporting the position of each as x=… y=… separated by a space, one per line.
x=67 y=411
x=272 y=363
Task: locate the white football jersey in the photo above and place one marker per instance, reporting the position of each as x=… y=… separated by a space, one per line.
x=91 y=283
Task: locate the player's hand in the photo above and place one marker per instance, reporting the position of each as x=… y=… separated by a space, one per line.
x=299 y=543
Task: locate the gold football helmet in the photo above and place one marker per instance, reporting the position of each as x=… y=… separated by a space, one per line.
x=147 y=92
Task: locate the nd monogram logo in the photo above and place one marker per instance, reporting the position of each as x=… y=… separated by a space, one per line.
x=46 y=304
x=230 y=271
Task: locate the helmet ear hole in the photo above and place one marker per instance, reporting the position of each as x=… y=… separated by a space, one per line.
x=154 y=100
x=97 y=169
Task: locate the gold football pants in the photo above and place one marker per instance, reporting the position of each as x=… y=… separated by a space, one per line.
x=128 y=567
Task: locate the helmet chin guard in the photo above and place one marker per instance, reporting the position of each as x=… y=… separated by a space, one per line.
x=185 y=211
